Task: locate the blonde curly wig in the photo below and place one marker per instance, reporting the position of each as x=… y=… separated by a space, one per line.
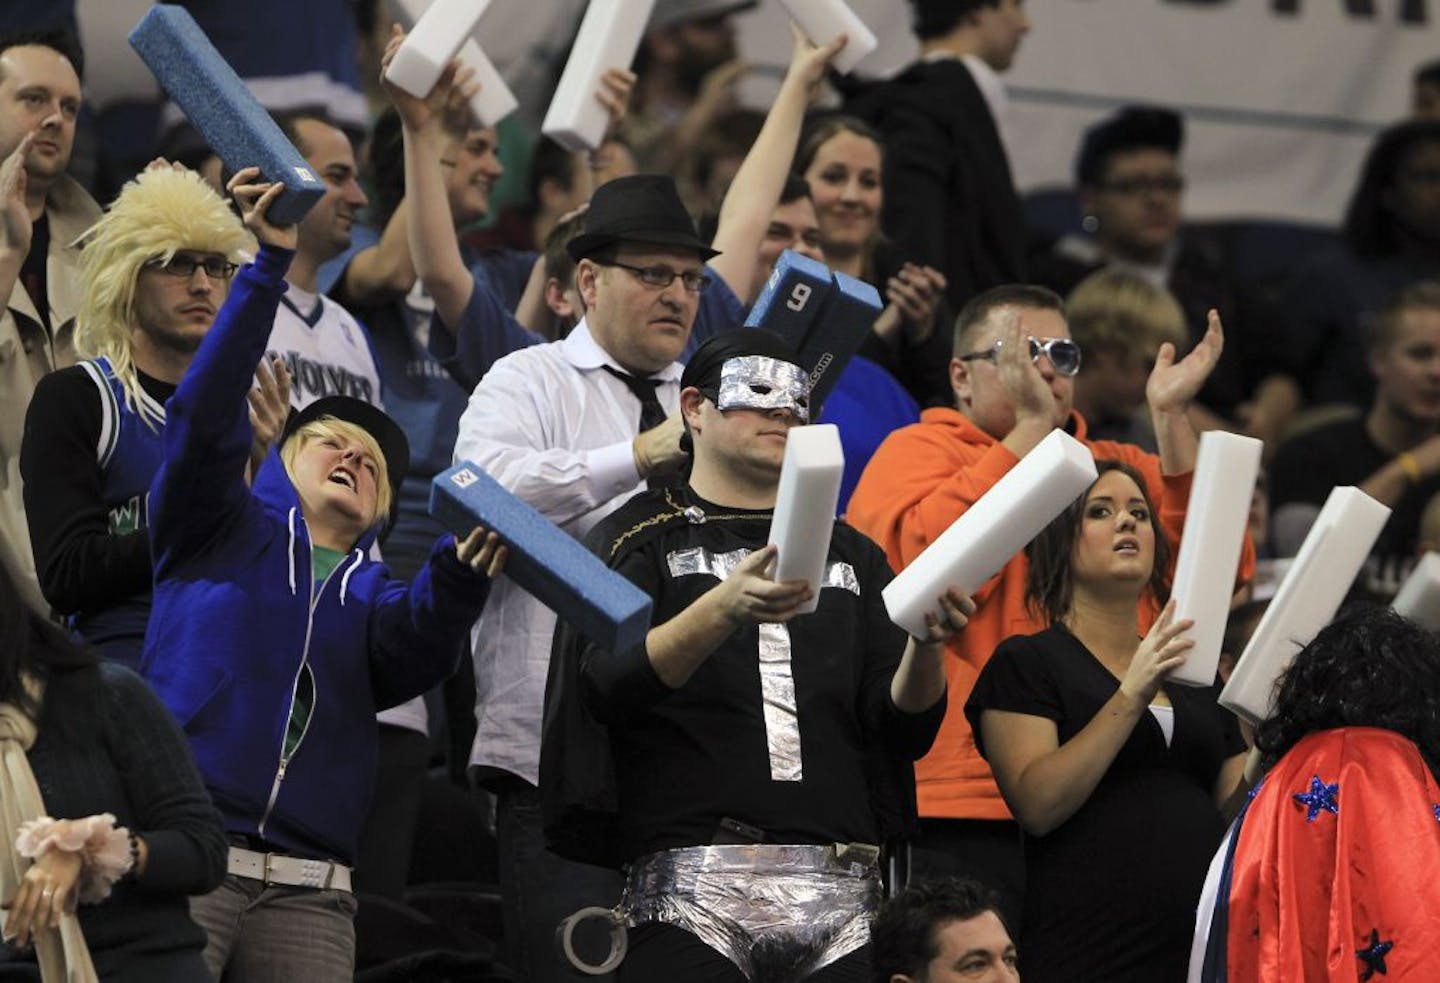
x=159 y=213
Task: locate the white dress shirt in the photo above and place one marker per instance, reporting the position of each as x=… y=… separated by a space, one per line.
x=556 y=430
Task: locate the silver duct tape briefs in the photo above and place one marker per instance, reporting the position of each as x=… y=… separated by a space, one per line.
x=778 y=913
x=759 y=382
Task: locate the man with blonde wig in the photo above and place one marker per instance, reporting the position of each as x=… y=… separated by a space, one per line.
x=154 y=271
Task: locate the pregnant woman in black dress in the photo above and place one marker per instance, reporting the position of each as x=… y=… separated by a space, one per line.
x=1117 y=778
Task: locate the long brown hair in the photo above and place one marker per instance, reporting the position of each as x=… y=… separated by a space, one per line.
x=1050 y=583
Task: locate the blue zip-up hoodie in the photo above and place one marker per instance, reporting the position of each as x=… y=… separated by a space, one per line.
x=233 y=618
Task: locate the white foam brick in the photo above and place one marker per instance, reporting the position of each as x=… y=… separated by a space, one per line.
x=494 y=101
x=993 y=530
x=824 y=20
x=608 y=38
x=1419 y=598
x=1215 y=523
x=435 y=39
x=805 y=505
x=1316 y=583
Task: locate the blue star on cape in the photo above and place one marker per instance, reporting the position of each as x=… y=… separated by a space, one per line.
x=1373 y=955
x=1321 y=797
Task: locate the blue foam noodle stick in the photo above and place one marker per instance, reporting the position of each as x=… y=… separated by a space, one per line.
x=544 y=559
x=792 y=298
x=840 y=327
x=217 y=102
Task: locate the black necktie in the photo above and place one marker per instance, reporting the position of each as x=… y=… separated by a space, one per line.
x=652 y=414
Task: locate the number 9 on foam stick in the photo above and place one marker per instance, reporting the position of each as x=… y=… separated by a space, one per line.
x=805 y=505
x=1308 y=597
x=608 y=38
x=1210 y=547
x=979 y=543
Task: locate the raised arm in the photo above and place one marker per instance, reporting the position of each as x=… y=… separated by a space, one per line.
x=1171 y=390
x=15 y=222
x=207 y=440
x=384 y=271
x=434 y=249
x=755 y=191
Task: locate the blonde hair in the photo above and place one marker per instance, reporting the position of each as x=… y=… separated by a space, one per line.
x=157 y=214
x=1115 y=311
x=334 y=427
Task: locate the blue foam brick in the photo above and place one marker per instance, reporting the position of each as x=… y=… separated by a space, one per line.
x=840 y=328
x=222 y=108
x=544 y=559
x=792 y=298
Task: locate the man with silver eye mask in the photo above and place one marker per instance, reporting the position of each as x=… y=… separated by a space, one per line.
x=753 y=760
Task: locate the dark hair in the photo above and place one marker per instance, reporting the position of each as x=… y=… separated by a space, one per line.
x=1428 y=73
x=385 y=160
x=552 y=162
x=936 y=18
x=732 y=135
x=795 y=188
x=558 y=263
x=1371 y=227
x=978 y=309
x=1367 y=668
x=1130 y=128
x=903 y=932
x=1050 y=584
x=1382 y=326
x=819 y=130
x=31 y=644
x=58 y=40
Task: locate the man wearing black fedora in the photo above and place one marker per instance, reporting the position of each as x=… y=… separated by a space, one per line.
x=575 y=428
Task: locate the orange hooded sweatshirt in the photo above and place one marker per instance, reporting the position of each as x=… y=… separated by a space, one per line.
x=923 y=478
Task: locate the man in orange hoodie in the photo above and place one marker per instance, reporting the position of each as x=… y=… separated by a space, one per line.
x=1013 y=377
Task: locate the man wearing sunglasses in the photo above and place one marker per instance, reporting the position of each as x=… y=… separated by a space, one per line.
x=154 y=272
x=1013 y=374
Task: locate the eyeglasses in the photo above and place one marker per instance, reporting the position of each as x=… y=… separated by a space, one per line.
x=1130 y=187
x=1063 y=353
x=184 y=266
x=661 y=277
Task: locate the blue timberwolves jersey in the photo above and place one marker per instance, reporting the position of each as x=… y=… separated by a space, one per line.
x=128 y=454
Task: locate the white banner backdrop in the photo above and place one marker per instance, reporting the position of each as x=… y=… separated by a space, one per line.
x=1281 y=97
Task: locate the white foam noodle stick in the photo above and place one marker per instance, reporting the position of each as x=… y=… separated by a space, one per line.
x=1215 y=522
x=608 y=38
x=825 y=20
x=1316 y=583
x=989 y=534
x=1419 y=597
x=494 y=101
x=805 y=505
x=432 y=42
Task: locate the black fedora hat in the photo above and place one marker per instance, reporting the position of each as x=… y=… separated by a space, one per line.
x=371 y=419
x=641 y=208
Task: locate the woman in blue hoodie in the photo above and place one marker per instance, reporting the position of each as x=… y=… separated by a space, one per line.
x=274 y=638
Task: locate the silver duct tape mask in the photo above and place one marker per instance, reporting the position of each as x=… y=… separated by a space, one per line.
x=759 y=382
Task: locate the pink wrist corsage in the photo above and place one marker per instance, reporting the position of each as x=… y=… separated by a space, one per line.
x=104 y=848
